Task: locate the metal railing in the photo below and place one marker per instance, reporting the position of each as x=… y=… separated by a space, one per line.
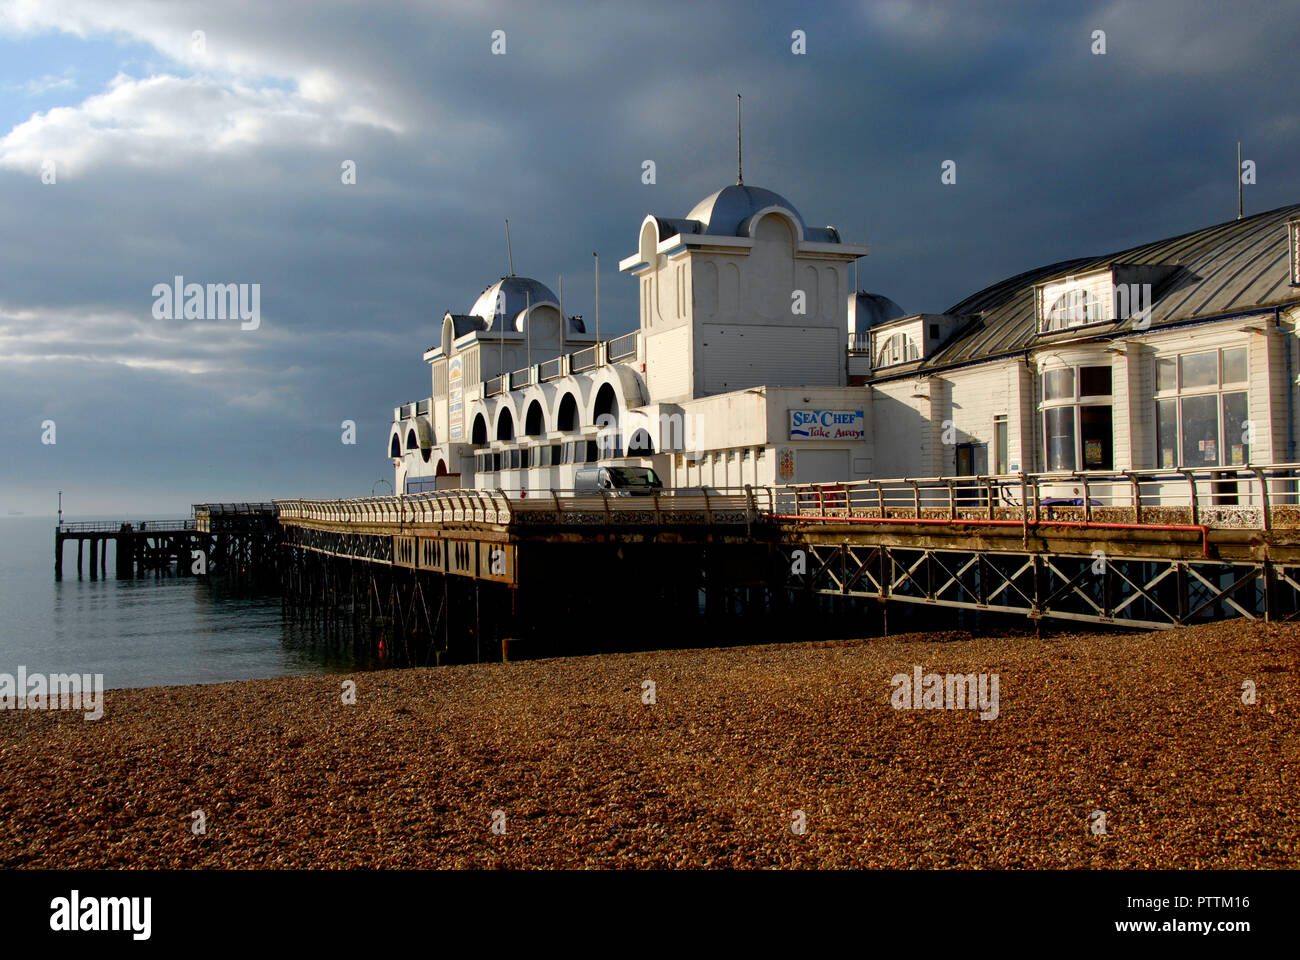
x=494 y=387
x=117 y=526
x=1246 y=497
x=233 y=509
x=582 y=360
x=620 y=348
x=550 y=370
x=444 y=506
x=521 y=378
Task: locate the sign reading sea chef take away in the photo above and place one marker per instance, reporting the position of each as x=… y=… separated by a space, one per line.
x=827 y=425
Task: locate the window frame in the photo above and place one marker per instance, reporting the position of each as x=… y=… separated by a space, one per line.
x=1221 y=390
x=1076 y=401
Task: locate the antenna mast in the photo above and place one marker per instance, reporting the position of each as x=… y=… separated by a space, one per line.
x=1238 y=179
x=509 y=255
x=740 y=179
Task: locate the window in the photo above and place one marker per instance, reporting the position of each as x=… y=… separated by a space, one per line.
x=898 y=348
x=1075 y=302
x=1201 y=410
x=1077 y=425
x=1058 y=384
x=1001 y=461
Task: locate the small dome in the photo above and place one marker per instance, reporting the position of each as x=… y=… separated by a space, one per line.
x=868 y=309
x=727 y=211
x=519 y=293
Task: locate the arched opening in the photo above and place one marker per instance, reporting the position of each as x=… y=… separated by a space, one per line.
x=640 y=444
x=606 y=411
x=478 y=436
x=567 y=421
x=442 y=469
x=411 y=442
x=425 y=454
x=609 y=442
x=506 y=426
x=395 y=448
x=533 y=426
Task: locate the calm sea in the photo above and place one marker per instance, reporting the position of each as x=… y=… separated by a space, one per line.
x=138 y=633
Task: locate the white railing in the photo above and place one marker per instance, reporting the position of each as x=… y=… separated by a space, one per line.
x=443 y=506
x=562 y=506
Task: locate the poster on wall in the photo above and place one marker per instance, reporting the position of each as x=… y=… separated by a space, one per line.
x=827 y=425
x=785 y=465
x=1092 y=453
x=455 y=406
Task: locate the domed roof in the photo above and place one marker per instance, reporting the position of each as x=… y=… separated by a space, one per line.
x=869 y=309
x=517 y=295
x=726 y=211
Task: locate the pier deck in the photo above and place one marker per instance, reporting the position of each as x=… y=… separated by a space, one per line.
x=1149 y=549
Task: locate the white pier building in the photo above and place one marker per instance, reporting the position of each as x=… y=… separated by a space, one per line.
x=753 y=364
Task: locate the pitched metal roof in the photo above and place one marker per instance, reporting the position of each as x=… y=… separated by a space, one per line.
x=1226 y=268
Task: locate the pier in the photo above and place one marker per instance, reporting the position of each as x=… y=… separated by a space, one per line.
x=235 y=540
x=467 y=575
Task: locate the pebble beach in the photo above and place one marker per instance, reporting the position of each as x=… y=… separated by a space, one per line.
x=1109 y=750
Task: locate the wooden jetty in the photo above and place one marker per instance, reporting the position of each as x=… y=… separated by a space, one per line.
x=226 y=539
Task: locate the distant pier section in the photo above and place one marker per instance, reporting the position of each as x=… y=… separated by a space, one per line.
x=226 y=539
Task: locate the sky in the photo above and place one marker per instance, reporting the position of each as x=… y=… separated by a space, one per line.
x=140 y=141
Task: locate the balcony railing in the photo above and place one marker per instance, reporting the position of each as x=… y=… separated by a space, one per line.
x=621 y=348
x=584 y=360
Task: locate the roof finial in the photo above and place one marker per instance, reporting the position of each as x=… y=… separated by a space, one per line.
x=740 y=180
x=509 y=255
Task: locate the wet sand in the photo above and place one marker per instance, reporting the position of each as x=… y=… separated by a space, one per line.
x=1149 y=728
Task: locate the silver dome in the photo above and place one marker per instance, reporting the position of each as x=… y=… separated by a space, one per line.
x=866 y=310
x=519 y=294
x=727 y=211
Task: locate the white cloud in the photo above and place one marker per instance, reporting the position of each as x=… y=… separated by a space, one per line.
x=165 y=120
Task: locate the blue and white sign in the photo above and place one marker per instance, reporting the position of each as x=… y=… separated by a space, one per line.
x=827 y=425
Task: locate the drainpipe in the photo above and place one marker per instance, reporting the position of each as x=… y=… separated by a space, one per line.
x=1290 y=388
